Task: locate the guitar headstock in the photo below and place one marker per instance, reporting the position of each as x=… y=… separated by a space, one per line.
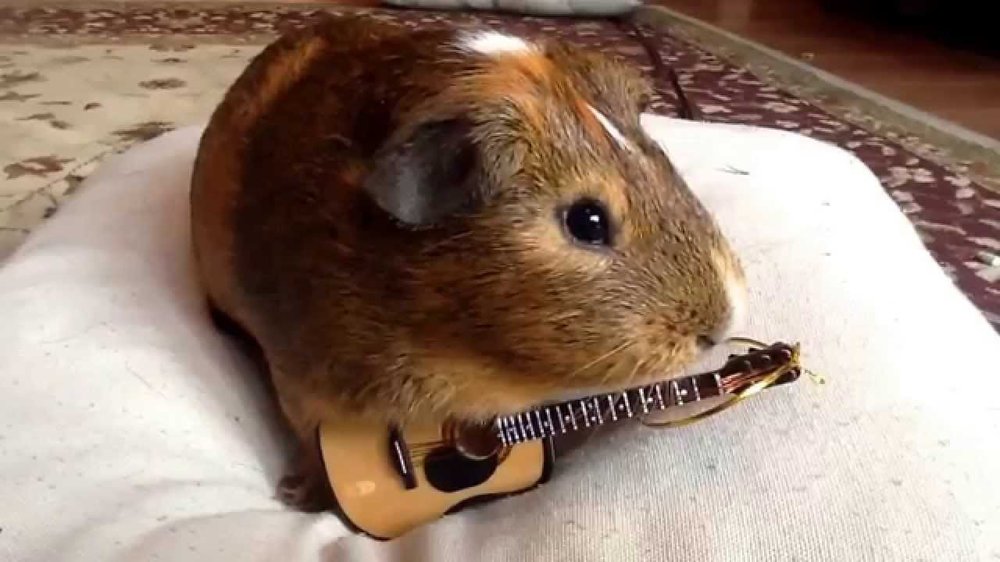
x=742 y=371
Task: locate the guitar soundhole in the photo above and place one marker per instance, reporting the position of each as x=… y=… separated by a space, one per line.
x=448 y=470
x=476 y=441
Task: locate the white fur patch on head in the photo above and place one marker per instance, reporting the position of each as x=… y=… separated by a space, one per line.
x=494 y=42
x=612 y=130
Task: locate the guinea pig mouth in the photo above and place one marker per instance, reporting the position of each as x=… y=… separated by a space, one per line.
x=705 y=343
x=608 y=362
x=636 y=362
x=631 y=366
x=674 y=359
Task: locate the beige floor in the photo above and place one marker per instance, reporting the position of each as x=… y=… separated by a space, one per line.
x=951 y=83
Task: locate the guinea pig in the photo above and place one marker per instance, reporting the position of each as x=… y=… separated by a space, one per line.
x=450 y=223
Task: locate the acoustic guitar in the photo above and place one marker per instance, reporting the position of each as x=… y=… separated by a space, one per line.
x=387 y=480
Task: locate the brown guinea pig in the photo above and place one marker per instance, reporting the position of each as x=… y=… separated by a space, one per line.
x=450 y=223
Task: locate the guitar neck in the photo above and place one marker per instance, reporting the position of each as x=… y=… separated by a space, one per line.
x=594 y=411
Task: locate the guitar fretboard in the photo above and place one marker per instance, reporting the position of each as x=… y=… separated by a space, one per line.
x=593 y=411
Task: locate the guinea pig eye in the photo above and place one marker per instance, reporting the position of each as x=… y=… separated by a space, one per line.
x=587 y=222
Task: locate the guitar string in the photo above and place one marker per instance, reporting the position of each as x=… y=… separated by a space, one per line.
x=420 y=451
x=435 y=444
x=605 y=413
x=419 y=454
x=426 y=447
x=792 y=363
x=604 y=410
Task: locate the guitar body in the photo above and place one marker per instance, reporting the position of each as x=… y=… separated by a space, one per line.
x=386 y=482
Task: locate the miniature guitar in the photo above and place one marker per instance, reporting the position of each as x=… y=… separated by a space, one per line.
x=387 y=481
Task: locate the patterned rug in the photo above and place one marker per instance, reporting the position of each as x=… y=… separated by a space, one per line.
x=80 y=83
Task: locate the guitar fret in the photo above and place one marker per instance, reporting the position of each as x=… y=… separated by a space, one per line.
x=562 y=421
x=659 y=396
x=541 y=428
x=628 y=407
x=677 y=393
x=597 y=411
x=571 y=417
x=520 y=424
x=583 y=410
x=518 y=435
x=548 y=417
x=611 y=406
x=515 y=436
x=642 y=400
x=697 y=393
x=718 y=384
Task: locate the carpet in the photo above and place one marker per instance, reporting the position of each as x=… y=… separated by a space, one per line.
x=79 y=83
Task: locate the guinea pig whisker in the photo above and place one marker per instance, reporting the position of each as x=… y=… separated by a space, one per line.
x=446 y=241
x=651 y=364
x=604 y=357
x=635 y=370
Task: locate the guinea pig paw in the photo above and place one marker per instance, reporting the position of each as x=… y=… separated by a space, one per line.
x=303 y=491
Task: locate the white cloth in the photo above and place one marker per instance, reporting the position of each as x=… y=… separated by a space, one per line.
x=131 y=431
x=536 y=7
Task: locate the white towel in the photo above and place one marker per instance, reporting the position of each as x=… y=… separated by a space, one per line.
x=131 y=431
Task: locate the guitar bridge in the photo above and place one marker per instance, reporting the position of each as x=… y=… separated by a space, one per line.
x=399 y=454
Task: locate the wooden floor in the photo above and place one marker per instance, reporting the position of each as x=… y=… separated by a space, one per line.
x=957 y=85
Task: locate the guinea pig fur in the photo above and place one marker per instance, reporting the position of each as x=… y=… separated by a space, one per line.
x=424 y=224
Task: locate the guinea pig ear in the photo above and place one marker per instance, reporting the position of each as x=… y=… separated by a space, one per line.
x=428 y=175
